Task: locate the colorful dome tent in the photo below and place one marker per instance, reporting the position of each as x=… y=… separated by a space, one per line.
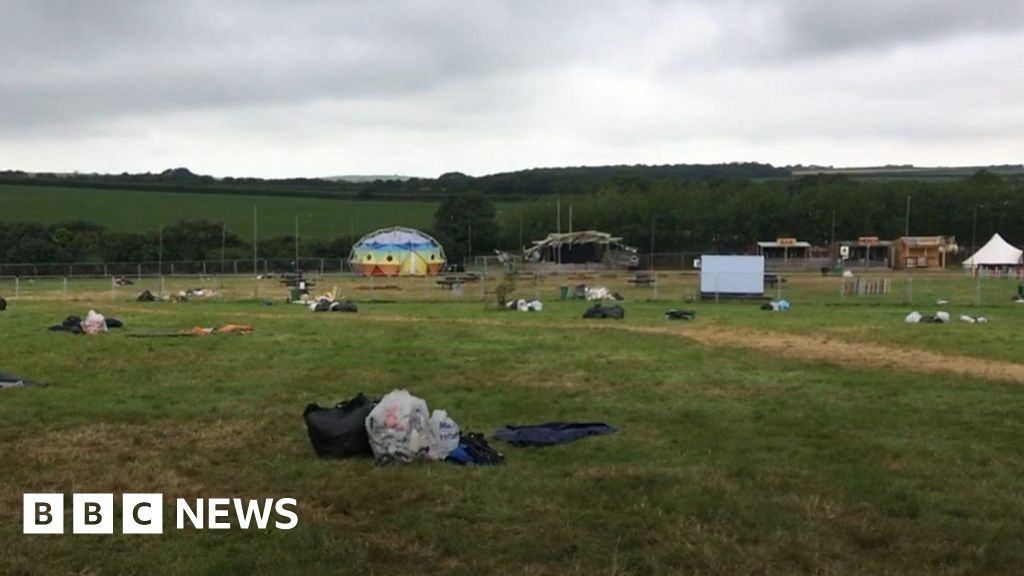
x=397 y=252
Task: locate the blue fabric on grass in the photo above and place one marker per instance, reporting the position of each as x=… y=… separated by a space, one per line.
x=551 y=433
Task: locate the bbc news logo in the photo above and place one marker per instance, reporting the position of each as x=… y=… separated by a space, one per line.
x=144 y=513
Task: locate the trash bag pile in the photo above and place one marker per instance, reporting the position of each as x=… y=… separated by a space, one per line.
x=941 y=317
x=600 y=311
x=673 y=314
x=584 y=292
x=94 y=323
x=3 y=304
x=326 y=304
x=525 y=305
x=399 y=428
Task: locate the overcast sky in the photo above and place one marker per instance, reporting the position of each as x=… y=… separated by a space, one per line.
x=314 y=88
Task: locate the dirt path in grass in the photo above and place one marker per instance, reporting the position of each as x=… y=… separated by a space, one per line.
x=826 y=349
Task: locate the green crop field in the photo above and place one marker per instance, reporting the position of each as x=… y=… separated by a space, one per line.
x=136 y=211
x=830 y=439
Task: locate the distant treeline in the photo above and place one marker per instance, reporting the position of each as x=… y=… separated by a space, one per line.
x=723 y=214
x=80 y=241
x=731 y=215
x=506 y=186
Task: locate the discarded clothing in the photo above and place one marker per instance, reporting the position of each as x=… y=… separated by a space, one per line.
x=225 y=329
x=551 y=433
x=94 y=323
x=674 y=314
x=474 y=449
x=8 y=380
x=776 y=305
x=340 y=432
x=598 y=311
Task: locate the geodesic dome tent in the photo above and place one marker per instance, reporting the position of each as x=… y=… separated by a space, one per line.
x=397 y=252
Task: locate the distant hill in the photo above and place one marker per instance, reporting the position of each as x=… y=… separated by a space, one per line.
x=360 y=178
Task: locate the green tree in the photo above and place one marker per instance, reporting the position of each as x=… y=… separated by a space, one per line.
x=466 y=222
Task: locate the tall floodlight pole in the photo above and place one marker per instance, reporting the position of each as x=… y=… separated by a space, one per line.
x=558 y=226
x=470 y=228
x=296 y=244
x=255 y=242
x=223 y=243
x=570 y=218
x=906 y=228
x=833 y=241
x=974 y=227
x=160 y=253
x=520 y=229
x=652 y=243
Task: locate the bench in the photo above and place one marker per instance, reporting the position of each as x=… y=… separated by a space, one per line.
x=646 y=280
x=449 y=282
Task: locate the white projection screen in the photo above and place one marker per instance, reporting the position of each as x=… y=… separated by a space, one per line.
x=731 y=276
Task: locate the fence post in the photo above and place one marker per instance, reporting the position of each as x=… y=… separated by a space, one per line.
x=161 y=286
x=204 y=267
x=17 y=286
x=172 y=268
x=113 y=288
x=65 y=286
x=105 y=270
x=140 y=270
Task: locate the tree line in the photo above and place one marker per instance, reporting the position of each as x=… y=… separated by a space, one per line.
x=707 y=214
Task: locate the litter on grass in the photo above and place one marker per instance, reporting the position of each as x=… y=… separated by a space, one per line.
x=8 y=380
x=940 y=317
x=776 y=305
x=673 y=314
x=94 y=323
x=551 y=433
x=395 y=429
x=525 y=305
x=600 y=311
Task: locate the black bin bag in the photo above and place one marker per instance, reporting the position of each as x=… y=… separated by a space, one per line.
x=340 y=432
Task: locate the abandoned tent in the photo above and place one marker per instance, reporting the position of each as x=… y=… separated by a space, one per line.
x=397 y=252
x=586 y=248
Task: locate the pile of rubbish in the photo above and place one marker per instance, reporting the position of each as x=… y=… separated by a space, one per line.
x=399 y=428
x=600 y=311
x=583 y=292
x=8 y=380
x=328 y=304
x=941 y=317
x=146 y=296
x=776 y=305
x=184 y=295
x=525 y=305
x=122 y=281
x=673 y=314
x=94 y=323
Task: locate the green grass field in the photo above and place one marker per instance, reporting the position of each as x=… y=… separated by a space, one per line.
x=749 y=442
x=136 y=211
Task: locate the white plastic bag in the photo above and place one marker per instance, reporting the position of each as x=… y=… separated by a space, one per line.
x=446 y=432
x=913 y=318
x=942 y=317
x=399 y=428
x=94 y=323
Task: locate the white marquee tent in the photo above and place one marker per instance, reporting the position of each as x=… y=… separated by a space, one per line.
x=996 y=252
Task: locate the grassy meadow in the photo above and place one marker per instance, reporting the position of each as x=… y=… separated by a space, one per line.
x=829 y=439
x=139 y=211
